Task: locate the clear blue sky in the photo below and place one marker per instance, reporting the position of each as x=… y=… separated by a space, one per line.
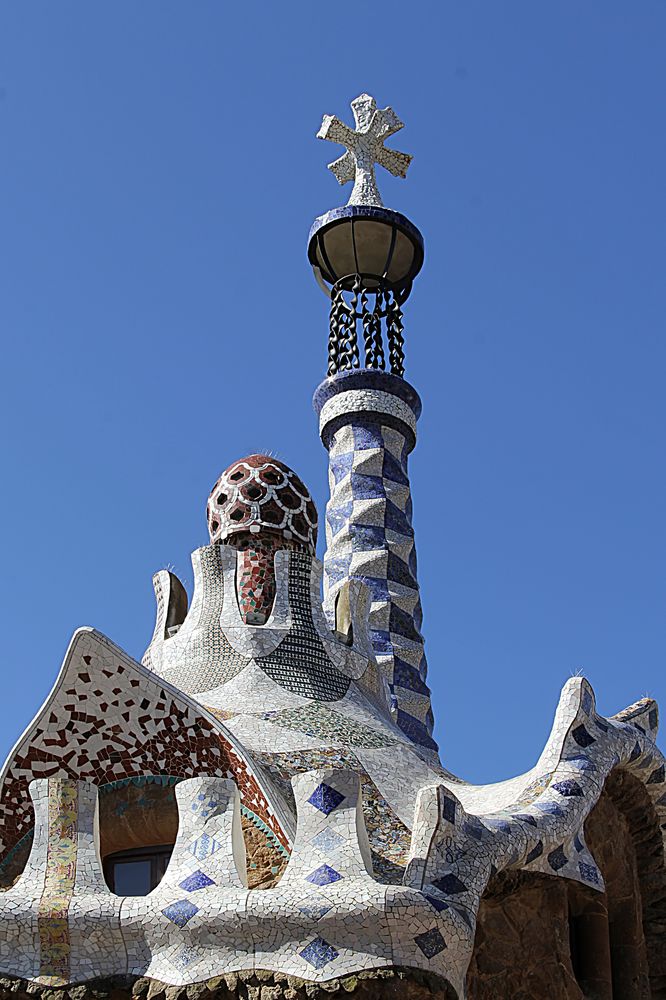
x=158 y=175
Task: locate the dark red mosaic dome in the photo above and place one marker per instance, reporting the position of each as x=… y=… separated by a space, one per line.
x=259 y=494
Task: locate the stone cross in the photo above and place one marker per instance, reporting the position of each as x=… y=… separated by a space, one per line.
x=365 y=147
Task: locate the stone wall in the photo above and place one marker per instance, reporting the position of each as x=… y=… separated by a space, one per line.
x=623 y=832
x=377 y=984
x=521 y=951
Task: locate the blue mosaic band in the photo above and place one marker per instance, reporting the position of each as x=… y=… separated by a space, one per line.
x=367 y=422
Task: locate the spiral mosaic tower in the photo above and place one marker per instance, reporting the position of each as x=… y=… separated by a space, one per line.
x=366 y=257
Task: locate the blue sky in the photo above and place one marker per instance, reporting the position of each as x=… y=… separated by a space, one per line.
x=158 y=175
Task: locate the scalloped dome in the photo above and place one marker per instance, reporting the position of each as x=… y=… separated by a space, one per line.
x=261 y=494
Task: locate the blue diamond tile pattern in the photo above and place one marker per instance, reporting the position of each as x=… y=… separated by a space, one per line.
x=314 y=908
x=430 y=943
x=180 y=912
x=203 y=805
x=582 y=737
x=371 y=536
x=185 y=958
x=448 y=809
x=464 y=915
x=588 y=872
x=551 y=808
x=326 y=799
x=580 y=762
x=450 y=884
x=204 y=846
x=197 y=880
x=498 y=824
x=568 y=788
x=328 y=841
x=437 y=903
x=324 y=875
x=526 y=818
x=535 y=853
x=557 y=859
x=319 y=953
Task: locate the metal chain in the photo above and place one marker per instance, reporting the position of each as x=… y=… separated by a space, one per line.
x=343 y=345
x=346 y=357
x=368 y=330
x=396 y=343
x=336 y=332
x=354 y=361
x=380 y=361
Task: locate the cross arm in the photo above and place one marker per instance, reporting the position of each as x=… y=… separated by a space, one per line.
x=392 y=160
x=385 y=122
x=344 y=168
x=334 y=130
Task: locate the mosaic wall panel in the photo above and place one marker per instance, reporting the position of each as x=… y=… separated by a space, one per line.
x=199 y=655
x=109 y=719
x=255 y=577
x=300 y=663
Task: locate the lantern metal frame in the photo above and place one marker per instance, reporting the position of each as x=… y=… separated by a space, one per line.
x=350 y=215
x=352 y=312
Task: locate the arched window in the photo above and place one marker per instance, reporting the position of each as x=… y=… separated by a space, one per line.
x=136 y=872
x=138 y=825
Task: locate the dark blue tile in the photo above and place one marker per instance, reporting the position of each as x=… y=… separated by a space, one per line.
x=325 y=798
x=431 y=943
x=197 y=880
x=535 y=853
x=324 y=875
x=557 y=859
x=448 y=808
x=180 y=912
x=526 y=818
x=582 y=737
x=569 y=788
x=319 y=953
x=589 y=872
x=437 y=903
x=450 y=884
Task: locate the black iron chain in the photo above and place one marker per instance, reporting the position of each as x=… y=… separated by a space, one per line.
x=396 y=343
x=343 y=345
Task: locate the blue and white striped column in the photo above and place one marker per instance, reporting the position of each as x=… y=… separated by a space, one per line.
x=367 y=422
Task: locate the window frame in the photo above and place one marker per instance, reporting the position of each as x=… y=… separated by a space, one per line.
x=159 y=856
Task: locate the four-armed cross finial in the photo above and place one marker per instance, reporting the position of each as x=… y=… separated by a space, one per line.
x=365 y=147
